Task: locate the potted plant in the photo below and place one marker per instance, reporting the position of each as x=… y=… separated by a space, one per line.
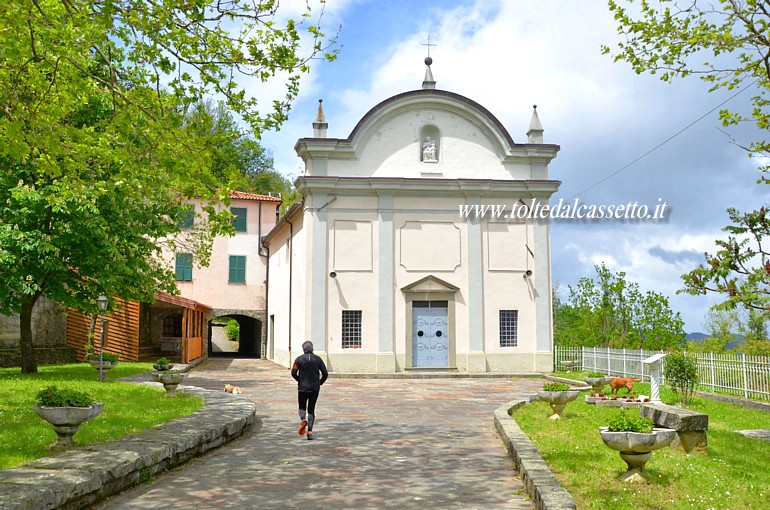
x=66 y=410
x=595 y=380
x=170 y=379
x=108 y=361
x=163 y=364
x=635 y=438
x=557 y=395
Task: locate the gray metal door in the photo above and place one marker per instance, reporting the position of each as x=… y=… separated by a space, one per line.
x=430 y=338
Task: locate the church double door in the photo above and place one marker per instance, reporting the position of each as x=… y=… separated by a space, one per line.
x=430 y=339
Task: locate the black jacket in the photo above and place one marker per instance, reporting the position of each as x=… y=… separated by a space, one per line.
x=309 y=371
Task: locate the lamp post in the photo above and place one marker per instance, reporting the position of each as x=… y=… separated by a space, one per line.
x=102 y=303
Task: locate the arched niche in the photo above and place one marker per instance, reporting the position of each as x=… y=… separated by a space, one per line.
x=430 y=144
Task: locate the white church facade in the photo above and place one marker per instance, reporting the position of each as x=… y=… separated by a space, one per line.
x=381 y=271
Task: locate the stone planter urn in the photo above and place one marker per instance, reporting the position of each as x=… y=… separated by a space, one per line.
x=596 y=383
x=558 y=400
x=66 y=421
x=162 y=368
x=636 y=448
x=568 y=365
x=170 y=381
x=106 y=366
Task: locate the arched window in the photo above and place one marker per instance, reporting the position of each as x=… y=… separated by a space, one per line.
x=172 y=325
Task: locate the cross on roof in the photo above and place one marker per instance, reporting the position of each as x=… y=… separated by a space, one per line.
x=428 y=44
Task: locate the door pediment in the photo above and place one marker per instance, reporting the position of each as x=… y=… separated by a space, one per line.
x=430 y=284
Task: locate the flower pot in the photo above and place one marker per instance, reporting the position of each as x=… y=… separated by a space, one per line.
x=170 y=381
x=568 y=365
x=66 y=421
x=163 y=368
x=636 y=448
x=558 y=400
x=596 y=383
x=106 y=366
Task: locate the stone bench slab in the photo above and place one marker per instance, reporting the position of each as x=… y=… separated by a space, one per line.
x=690 y=426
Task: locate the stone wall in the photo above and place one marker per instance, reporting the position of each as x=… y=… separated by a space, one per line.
x=43 y=356
x=49 y=326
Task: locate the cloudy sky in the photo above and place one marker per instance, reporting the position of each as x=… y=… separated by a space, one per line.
x=507 y=56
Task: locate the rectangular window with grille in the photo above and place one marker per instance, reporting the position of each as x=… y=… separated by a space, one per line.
x=509 y=322
x=351 y=329
x=184 y=267
x=237 y=269
x=239 y=222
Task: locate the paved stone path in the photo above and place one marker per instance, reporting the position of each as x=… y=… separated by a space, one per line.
x=380 y=443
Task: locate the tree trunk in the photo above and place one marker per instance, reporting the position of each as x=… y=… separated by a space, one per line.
x=27 y=361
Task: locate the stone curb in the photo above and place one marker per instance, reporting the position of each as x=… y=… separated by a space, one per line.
x=80 y=477
x=544 y=490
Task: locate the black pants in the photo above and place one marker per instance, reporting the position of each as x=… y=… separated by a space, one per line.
x=307 y=400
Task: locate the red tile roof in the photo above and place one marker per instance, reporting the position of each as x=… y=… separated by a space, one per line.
x=242 y=195
x=182 y=301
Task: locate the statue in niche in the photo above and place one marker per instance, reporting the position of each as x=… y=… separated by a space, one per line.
x=429 y=150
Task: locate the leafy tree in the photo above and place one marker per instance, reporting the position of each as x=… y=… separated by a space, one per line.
x=720 y=325
x=612 y=312
x=238 y=159
x=97 y=162
x=726 y=44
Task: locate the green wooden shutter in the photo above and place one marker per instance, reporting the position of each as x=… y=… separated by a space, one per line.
x=239 y=222
x=184 y=267
x=237 y=269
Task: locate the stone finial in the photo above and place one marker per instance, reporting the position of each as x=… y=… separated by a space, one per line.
x=535 y=133
x=320 y=124
x=428 y=82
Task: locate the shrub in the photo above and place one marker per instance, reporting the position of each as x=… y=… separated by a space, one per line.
x=105 y=357
x=55 y=397
x=233 y=330
x=681 y=373
x=595 y=374
x=627 y=423
x=163 y=361
x=555 y=386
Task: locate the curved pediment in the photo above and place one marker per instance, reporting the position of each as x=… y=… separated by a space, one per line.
x=426 y=133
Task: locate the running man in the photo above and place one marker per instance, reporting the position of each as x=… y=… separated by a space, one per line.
x=310 y=372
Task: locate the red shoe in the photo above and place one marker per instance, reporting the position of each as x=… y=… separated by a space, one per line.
x=302 y=428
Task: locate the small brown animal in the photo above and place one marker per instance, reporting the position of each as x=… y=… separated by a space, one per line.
x=623 y=382
x=235 y=390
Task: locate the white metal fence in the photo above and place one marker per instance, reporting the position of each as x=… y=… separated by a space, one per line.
x=731 y=374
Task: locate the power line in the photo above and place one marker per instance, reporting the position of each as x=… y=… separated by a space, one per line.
x=664 y=142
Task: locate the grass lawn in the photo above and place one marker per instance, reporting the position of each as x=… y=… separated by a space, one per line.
x=731 y=475
x=128 y=408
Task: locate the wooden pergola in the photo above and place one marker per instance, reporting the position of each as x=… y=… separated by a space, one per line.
x=122 y=329
x=193 y=324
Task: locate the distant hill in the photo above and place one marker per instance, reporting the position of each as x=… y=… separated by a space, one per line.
x=699 y=337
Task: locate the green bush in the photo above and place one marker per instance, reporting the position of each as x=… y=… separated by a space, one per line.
x=627 y=423
x=681 y=374
x=163 y=361
x=52 y=396
x=105 y=357
x=595 y=374
x=233 y=330
x=555 y=386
